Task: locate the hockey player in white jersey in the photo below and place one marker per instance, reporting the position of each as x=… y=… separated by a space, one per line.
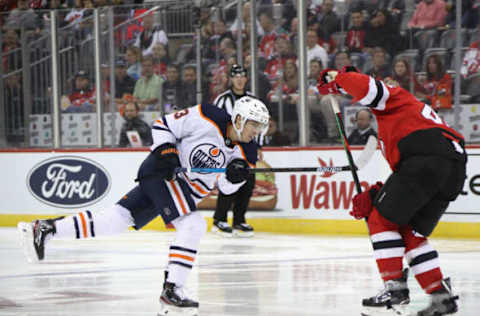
x=202 y=136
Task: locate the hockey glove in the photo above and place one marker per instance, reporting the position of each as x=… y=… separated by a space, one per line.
x=237 y=171
x=167 y=161
x=363 y=202
x=327 y=82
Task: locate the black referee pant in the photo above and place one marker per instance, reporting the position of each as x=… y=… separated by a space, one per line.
x=239 y=200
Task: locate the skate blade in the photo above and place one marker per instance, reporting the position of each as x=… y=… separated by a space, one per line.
x=218 y=232
x=25 y=231
x=241 y=234
x=395 y=310
x=170 y=310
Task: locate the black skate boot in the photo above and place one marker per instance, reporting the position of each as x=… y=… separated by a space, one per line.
x=173 y=299
x=222 y=229
x=442 y=301
x=243 y=230
x=34 y=235
x=392 y=300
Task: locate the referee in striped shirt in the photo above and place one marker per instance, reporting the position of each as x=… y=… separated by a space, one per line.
x=240 y=199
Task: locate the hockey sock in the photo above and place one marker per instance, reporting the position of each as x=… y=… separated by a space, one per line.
x=87 y=224
x=423 y=260
x=183 y=250
x=388 y=246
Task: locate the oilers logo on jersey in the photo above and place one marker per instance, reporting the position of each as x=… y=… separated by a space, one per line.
x=207 y=156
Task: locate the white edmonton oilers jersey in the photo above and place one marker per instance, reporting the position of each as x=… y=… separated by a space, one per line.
x=199 y=135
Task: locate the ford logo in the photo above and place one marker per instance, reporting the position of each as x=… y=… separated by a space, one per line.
x=68 y=182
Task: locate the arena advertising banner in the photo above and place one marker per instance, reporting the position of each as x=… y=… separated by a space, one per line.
x=47 y=183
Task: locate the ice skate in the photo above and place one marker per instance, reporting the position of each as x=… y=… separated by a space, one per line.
x=222 y=229
x=392 y=300
x=442 y=301
x=33 y=237
x=174 y=301
x=243 y=230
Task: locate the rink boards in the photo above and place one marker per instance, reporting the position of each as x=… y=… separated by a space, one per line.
x=43 y=183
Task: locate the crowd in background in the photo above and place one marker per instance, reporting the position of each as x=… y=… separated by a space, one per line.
x=385 y=39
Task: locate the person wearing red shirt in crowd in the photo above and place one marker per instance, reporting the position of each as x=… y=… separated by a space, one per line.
x=428 y=161
x=82 y=99
x=355 y=39
x=283 y=52
x=267 y=42
x=436 y=89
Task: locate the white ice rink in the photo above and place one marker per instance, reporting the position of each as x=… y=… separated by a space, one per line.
x=274 y=275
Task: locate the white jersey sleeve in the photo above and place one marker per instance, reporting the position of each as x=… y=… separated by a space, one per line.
x=170 y=128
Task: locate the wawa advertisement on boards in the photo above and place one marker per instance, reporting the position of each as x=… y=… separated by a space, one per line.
x=47 y=183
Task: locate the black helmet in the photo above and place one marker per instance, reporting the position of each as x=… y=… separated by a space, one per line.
x=237 y=70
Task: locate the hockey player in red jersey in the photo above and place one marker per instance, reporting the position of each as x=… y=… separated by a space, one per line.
x=428 y=161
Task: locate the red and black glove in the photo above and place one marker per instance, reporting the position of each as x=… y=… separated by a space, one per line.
x=327 y=81
x=363 y=202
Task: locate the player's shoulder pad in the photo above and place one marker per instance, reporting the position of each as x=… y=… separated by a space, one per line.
x=250 y=150
x=216 y=115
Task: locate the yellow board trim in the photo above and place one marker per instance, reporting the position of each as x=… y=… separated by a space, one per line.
x=458 y=230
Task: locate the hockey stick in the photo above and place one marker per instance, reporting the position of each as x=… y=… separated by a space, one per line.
x=255 y=170
x=261 y=170
x=338 y=116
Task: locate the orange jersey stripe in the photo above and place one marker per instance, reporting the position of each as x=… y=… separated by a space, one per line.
x=179 y=197
x=84 y=225
x=196 y=186
x=176 y=255
x=206 y=118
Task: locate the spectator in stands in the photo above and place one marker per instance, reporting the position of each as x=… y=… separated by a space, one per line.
x=150 y=35
x=124 y=84
x=342 y=59
x=23 y=17
x=315 y=51
x=189 y=84
x=428 y=14
x=355 y=39
x=381 y=32
x=82 y=99
x=133 y=55
x=75 y=18
x=173 y=91
x=402 y=74
x=315 y=68
x=264 y=85
x=160 y=59
x=147 y=89
x=286 y=91
x=220 y=31
x=238 y=26
x=283 y=52
x=364 y=129
x=134 y=123
x=266 y=46
x=436 y=88
x=11 y=60
x=381 y=67
x=328 y=18
x=14 y=108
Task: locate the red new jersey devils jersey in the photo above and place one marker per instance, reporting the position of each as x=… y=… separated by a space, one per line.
x=398 y=113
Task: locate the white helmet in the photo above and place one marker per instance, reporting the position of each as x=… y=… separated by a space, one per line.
x=250 y=109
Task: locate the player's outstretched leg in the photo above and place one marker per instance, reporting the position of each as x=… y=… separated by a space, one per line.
x=34 y=235
x=442 y=301
x=392 y=300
